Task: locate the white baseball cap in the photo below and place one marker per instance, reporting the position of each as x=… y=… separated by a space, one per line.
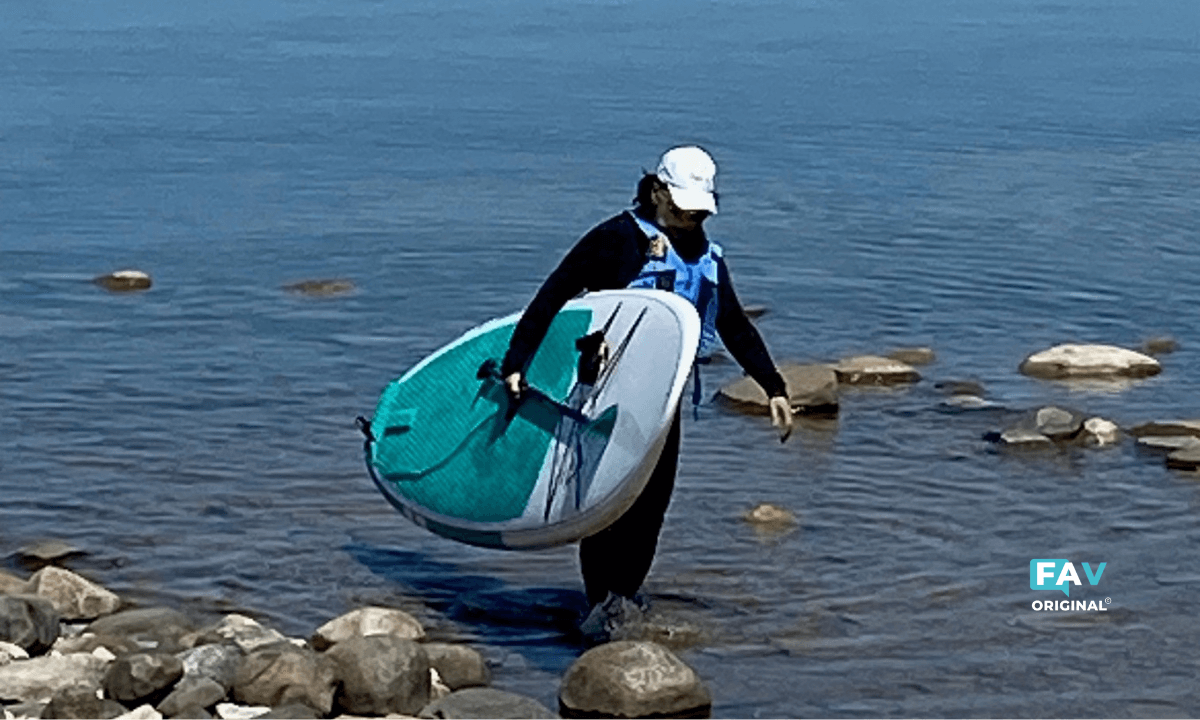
x=691 y=176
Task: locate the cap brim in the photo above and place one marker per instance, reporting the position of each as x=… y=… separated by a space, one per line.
x=693 y=199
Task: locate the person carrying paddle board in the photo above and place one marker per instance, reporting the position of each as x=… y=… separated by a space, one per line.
x=659 y=243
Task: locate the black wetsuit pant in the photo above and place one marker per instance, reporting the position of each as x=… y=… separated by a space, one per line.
x=617 y=559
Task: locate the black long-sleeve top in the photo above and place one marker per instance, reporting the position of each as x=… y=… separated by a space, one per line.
x=609 y=257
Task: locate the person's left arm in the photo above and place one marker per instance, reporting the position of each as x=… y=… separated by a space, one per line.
x=746 y=345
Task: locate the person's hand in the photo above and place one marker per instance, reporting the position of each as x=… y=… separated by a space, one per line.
x=781 y=416
x=512 y=384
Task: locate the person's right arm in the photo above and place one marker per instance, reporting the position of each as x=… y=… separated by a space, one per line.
x=597 y=262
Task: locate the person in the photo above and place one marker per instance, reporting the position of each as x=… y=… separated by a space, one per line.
x=659 y=243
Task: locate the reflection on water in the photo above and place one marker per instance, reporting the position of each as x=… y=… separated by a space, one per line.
x=987 y=182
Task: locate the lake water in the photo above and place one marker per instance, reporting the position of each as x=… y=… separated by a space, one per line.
x=983 y=178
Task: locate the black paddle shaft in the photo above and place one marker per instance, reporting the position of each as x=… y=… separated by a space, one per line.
x=489 y=370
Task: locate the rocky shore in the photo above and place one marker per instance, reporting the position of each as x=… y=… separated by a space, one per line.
x=70 y=648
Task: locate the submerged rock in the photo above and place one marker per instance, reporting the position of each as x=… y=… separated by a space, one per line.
x=1187 y=458
x=811 y=389
x=874 y=370
x=320 y=288
x=632 y=679
x=1160 y=346
x=768 y=515
x=46 y=552
x=1166 y=427
x=914 y=355
x=124 y=281
x=1071 y=361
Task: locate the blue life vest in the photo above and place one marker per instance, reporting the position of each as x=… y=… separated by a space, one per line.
x=695 y=281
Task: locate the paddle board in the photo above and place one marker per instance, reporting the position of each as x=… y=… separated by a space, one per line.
x=453 y=454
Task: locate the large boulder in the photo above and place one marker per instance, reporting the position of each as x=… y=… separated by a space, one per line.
x=82 y=701
x=458 y=666
x=1070 y=361
x=41 y=677
x=194 y=692
x=631 y=679
x=151 y=628
x=142 y=678
x=381 y=674
x=12 y=585
x=365 y=622
x=28 y=621
x=485 y=703
x=874 y=370
x=811 y=388
x=73 y=596
x=282 y=674
x=217 y=662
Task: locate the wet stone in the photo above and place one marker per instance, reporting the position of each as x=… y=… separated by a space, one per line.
x=1168 y=443
x=766 y=514
x=811 y=389
x=1185 y=459
x=320 y=288
x=1069 y=361
x=874 y=370
x=124 y=281
x=914 y=355
x=458 y=666
x=1167 y=427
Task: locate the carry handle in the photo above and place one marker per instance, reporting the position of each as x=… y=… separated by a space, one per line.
x=490 y=370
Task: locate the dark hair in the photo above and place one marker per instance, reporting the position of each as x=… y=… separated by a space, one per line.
x=645 y=187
